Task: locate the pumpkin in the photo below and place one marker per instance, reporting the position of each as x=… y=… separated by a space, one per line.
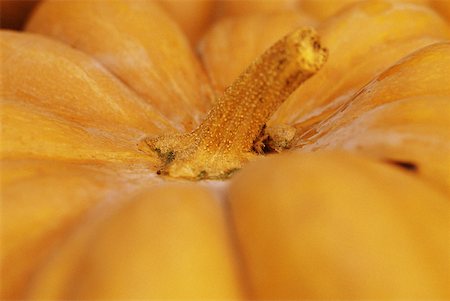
x=134 y=166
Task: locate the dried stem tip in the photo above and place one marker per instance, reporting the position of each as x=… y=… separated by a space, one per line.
x=224 y=141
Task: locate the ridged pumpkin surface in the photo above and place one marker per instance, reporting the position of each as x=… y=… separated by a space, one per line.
x=356 y=207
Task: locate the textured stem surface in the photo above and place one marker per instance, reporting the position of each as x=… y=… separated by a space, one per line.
x=225 y=140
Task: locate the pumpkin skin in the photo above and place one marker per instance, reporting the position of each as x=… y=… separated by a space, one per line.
x=348 y=71
x=338 y=230
x=171 y=96
x=79 y=198
x=184 y=11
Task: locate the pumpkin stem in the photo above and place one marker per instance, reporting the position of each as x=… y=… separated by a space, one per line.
x=225 y=140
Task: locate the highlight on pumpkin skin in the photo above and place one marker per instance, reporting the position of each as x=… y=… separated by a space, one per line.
x=226 y=138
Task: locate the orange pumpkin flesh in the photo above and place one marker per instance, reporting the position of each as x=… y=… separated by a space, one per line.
x=82 y=218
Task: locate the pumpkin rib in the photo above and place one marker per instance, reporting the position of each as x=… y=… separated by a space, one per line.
x=184 y=11
x=241 y=40
x=42 y=281
x=367 y=62
x=34 y=134
x=61 y=194
x=86 y=217
x=157 y=198
x=305 y=122
x=326 y=243
x=383 y=30
x=242 y=8
x=405 y=143
x=84 y=90
x=166 y=74
x=414 y=60
x=389 y=119
x=442 y=7
x=41 y=285
x=418 y=64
